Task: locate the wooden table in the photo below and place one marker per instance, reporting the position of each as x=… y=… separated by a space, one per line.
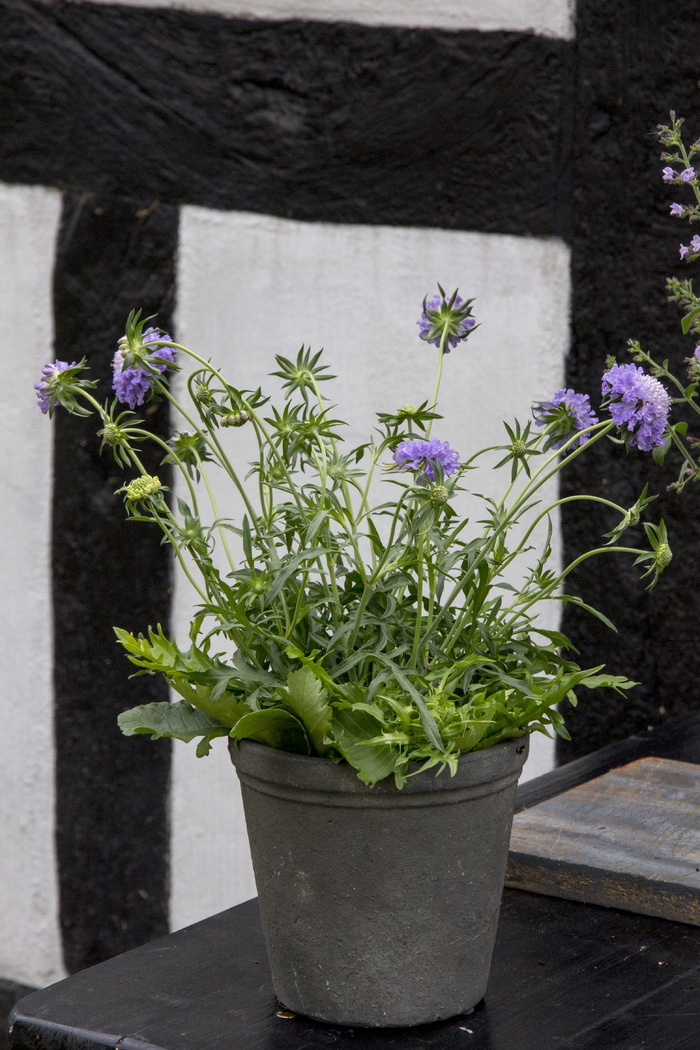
x=565 y=976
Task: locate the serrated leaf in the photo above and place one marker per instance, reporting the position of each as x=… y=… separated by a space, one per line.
x=427 y=720
x=275 y=727
x=351 y=730
x=307 y=698
x=178 y=721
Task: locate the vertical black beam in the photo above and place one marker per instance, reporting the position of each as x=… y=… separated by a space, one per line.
x=635 y=62
x=111 y=823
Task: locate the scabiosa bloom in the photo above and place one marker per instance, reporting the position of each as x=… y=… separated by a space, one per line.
x=638 y=404
x=132 y=384
x=677 y=210
x=439 y=313
x=571 y=412
x=47 y=385
x=417 y=454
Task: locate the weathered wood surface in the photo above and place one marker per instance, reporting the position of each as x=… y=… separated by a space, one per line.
x=565 y=976
x=629 y=839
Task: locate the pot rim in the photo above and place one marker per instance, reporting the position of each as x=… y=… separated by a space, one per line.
x=313 y=773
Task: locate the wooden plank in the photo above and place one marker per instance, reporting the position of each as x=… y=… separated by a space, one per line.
x=629 y=839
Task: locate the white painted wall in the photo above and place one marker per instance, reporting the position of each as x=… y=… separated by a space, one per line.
x=546 y=17
x=29 y=936
x=252 y=285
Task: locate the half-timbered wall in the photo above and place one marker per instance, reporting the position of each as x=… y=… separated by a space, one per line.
x=263 y=174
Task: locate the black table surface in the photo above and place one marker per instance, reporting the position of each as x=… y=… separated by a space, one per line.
x=565 y=975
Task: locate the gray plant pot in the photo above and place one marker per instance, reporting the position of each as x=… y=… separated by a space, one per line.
x=379 y=906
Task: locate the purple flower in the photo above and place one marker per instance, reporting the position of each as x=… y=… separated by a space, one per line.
x=696 y=352
x=421 y=455
x=694 y=247
x=677 y=210
x=132 y=384
x=570 y=411
x=638 y=403
x=668 y=174
x=46 y=387
x=687 y=174
x=460 y=325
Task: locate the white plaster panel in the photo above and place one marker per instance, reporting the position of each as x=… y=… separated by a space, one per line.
x=252 y=285
x=545 y=17
x=30 y=949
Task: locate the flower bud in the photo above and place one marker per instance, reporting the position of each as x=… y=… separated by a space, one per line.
x=143 y=488
x=663 y=555
x=203 y=395
x=111 y=434
x=337 y=471
x=439 y=496
x=235 y=419
x=519 y=448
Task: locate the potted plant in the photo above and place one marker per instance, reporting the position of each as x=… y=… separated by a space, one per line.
x=363 y=648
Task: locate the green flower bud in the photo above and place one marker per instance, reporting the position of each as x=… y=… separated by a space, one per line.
x=203 y=395
x=519 y=448
x=439 y=496
x=111 y=435
x=337 y=471
x=143 y=488
x=407 y=410
x=662 y=555
x=235 y=419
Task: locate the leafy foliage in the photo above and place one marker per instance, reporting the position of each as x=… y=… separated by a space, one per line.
x=382 y=633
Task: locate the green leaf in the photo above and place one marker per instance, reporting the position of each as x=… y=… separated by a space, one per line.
x=275 y=727
x=351 y=730
x=307 y=698
x=290 y=568
x=688 y=320
x=612 y=681
x=571 y=600
x=316 y=525
x=178 y=721
x=427 y=720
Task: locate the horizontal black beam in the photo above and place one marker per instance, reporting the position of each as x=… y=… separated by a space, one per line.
x=310 y=120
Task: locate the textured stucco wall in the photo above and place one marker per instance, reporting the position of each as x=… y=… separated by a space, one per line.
x=30 y=946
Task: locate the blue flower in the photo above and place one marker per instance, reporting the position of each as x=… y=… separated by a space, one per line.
x=132 y=384
x=570 y=412
x=420 y=455
x=638 y=404
x=452 y=314
x=47 y=387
